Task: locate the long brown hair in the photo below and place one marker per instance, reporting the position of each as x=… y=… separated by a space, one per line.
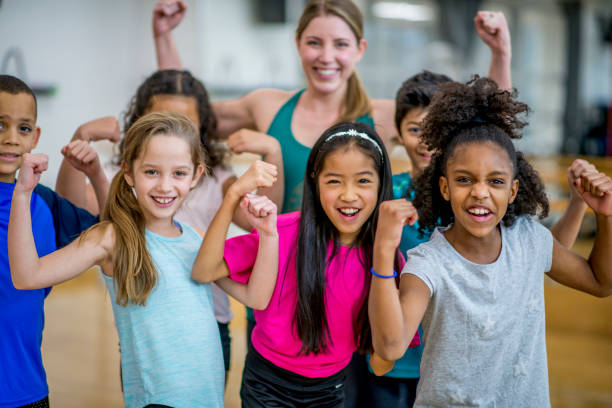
x=356 y=100
x=134 y=274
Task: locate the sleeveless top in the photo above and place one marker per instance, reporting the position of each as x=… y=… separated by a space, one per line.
x=170 y=348
x=198 y=209
x=295 y=154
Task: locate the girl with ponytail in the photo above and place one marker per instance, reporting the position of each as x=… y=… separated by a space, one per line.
x=170 y=348
x=477 y=285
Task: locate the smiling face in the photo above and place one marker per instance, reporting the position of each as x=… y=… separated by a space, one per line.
x=348 y=190
x=18 y=132
x=328 y=51
x=162 y=176
x=410 y=136
x=479 y=184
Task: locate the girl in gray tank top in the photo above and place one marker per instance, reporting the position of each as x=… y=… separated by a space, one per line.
x=477 y=285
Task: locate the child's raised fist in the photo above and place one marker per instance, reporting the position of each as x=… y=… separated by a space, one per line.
x=32 y=167
x=260 y=174
x=492 y=29
x=574 y=172
x=392 y=216
x=167 y=14
x=596 y=189
x=261 y=213
x=82 y=157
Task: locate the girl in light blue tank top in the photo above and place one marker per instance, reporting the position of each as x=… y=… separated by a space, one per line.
x=170 y=348
x=179 y=360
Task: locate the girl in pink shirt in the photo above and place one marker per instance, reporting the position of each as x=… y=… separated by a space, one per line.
x=317 y=316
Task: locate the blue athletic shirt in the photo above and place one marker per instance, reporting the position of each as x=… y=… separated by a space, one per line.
x=55 y=222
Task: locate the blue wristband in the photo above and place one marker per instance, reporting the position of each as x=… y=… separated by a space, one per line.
x=383 y=276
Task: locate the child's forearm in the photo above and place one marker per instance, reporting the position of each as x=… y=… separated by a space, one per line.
x=276 y=192
x=265 y=271
x=601 y=255
x=28 y=271
x=101 y=187
x=384 y=309
x=23 y=257
x=210 y=264
x=500 y=70
x=167 y=53
x=567 y=227
x=70 y=184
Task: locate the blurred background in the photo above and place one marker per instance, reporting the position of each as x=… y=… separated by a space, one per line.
x=85 y=60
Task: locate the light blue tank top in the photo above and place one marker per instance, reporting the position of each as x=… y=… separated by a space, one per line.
x=170 y=348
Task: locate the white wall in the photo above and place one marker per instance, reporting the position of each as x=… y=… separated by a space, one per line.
x=98 y=52
x=95 y=53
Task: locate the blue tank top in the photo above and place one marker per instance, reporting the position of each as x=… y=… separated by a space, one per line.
x=170 y=347
x=295 y=154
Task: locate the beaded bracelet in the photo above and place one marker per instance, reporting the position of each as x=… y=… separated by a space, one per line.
x=383 y=276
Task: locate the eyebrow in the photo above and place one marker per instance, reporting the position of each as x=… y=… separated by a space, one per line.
x=183 y=166
x=493 y=173
x=361 y=173
x=314 y=37
x=29 y=120
x=414 y=123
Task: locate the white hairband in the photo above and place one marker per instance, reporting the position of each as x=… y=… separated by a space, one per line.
x=361 y=135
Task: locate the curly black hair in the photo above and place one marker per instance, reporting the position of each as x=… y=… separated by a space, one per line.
x=475 y=112
x=416 y=92
x=180 y=83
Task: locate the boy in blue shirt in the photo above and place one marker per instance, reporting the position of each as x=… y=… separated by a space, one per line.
x=55 y=222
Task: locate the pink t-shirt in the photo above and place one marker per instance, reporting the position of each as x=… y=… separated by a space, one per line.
x=275 y=335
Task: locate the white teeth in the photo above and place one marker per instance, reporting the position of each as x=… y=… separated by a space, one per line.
x=163 y=200
x=349 y=211
x=327 y=71
x=478 y=211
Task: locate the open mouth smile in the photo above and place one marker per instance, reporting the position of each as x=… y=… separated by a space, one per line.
x=348 y=213
x=10 y=157
x=480 y=214
x=163 y=201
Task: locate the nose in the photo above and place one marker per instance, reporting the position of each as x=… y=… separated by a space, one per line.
x=327 y=53
x=480 y=191
x=10 y=136
x=164 y=183
x=348 y=194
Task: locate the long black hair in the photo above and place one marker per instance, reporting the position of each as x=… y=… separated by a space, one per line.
x=316 y=231
x=475 y=112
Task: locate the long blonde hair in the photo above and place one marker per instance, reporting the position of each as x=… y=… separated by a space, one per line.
x=134 y=274
x=356 y=100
